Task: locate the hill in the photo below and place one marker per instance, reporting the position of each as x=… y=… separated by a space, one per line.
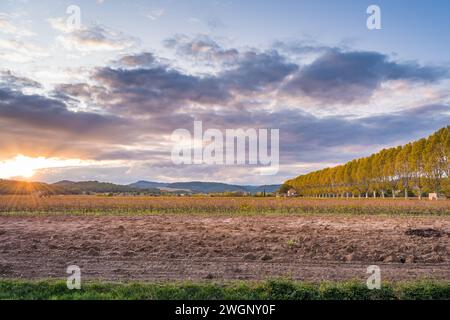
x=148 y=184
x=140 y=187
x=413 y=169
x=26 y=188
x=99 y=187
x=67 y=187
x=204 y=187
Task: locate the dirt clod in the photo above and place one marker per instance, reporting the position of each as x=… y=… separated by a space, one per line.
x=249 y=256
x=93 y=252
x=425 y=233
x=266 y=257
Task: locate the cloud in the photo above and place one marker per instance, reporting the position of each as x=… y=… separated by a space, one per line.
x=252 y=79
x=244 y=71
x=37 y=123
x=92 y=38
x=215 y=23
x=346 y=77
x=7 y=27
x=301 y=47
x=155 y=14
x=10 y=80
x=142 y=84
x=45 y=126
x=201 y=46
x=149 y=90
x=143 y=60
x=16 y=50
x=258 y=71
x=44 y=113
x=159 y=89
x=127 y=109
x=303 y=69
x=59 y=24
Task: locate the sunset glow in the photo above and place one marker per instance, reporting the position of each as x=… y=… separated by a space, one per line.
x=25 y=167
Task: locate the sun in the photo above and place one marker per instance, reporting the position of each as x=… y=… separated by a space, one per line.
x=20 y=166
x=25 y=167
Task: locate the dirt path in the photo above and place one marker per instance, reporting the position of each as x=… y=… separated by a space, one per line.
x=194 y=247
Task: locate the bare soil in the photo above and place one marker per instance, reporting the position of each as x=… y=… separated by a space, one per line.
x=169 y=247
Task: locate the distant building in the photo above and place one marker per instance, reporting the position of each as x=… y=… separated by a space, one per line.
x=433 y=196
x=292 y=193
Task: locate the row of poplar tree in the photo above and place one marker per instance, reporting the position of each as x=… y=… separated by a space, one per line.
x=414 y=169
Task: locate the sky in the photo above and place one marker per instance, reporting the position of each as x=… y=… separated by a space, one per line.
x=99 y=100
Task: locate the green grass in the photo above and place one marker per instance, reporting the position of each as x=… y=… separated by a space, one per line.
x=267 y=290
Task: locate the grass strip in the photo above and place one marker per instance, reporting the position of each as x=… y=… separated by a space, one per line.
x=267 y=290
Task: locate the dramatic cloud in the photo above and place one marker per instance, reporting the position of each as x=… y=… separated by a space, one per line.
x=304 y=138
x=150 y=88
x=35 y=111
x=157 y=90
x=143 y=85
x=258 y=71
x=36 y=123
x=247 y=70
x=127 y=109
x=340 y=76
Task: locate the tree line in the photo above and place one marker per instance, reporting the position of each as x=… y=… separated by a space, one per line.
x=414 y=169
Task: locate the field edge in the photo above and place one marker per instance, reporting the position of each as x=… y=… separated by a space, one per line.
x=273 y=289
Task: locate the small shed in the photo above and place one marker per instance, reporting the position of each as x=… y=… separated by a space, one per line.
x=292 y=193
x=433 y=196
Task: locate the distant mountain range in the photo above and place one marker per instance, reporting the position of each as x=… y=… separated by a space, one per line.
x=204 y=187
x=141 y=187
